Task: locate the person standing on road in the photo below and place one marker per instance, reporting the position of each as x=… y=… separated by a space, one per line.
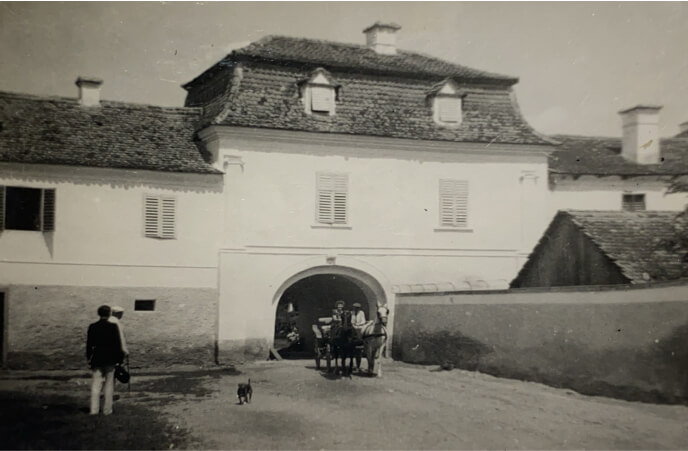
x=103 y=352
x=116 y=317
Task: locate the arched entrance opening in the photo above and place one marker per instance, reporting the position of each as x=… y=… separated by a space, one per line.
x=312 y=296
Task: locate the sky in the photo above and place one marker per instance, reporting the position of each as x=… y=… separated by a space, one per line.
x=578 y=63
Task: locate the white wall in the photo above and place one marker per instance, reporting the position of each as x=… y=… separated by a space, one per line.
x=98 y=237
x=594 y=193
x=393 y=228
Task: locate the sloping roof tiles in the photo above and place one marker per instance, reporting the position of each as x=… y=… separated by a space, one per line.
x=51 y=130
x=645 y=245
x=583 y=155
x=358 y=58
x=379 y=95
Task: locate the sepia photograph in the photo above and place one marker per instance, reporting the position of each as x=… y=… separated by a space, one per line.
x=344 y=225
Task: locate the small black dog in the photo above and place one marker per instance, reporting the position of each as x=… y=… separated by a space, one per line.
x=244 y=392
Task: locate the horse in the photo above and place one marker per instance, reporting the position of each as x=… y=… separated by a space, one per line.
x=343 y=343
x=374 y=335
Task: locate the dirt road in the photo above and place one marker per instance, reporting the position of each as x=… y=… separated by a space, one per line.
x=412 y=407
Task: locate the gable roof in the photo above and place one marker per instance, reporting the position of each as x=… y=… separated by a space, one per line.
x=55 y=130
x=589 y=155
x=284 y=50
x=379 y=95
x=644 y=245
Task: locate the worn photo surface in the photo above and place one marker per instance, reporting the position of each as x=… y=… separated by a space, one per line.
x=343 y=225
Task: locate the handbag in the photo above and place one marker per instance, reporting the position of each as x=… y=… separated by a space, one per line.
x=121 y=374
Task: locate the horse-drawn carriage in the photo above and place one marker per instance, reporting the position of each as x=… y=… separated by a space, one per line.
x=323 y=342
x=335 y=338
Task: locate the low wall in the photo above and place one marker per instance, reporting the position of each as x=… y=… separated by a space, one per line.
x=628 y=343
x=47 y=325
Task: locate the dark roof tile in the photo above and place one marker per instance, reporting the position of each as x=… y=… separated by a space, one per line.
x=51 y=130
x=588 y=155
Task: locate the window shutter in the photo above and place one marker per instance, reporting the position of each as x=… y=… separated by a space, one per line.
x=151 y=221
x=168 y=220
x=449 y=109
x=332 y=200
x=322 y=98
x=454 y=203
x=48 y=210
x=2 y=208
x=633 y=202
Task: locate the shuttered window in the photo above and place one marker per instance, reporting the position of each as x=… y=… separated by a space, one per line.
x=633 y=202
x=159 y=217
x=332 y=198
x=453 y=203
x=322 y=99
x=27 y=209
x=449 y=109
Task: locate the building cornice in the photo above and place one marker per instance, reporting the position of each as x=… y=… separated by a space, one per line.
x=232 y=133
x=110 y=176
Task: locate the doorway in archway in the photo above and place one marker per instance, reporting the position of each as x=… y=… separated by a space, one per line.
x=307 y=300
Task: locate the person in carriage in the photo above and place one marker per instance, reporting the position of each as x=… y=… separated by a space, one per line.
x=358 y=320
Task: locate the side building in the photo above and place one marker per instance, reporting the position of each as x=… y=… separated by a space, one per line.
x=105 y=203
x=631 y=173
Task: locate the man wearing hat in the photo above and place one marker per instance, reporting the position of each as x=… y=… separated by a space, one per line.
x=103 y=352
x=338 y=312
x=358 y=318
x=117 y=313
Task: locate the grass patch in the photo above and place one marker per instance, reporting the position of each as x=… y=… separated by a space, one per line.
x=38 y=421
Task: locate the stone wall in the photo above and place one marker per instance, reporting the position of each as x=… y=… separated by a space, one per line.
x=628 y=343
x=47 y=325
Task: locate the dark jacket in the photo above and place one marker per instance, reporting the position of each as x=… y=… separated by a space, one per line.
x=103 y=345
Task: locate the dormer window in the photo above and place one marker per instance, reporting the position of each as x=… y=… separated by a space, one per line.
x=446 y=100
x=319 y=93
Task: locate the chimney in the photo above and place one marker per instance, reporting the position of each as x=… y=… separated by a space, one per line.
x=683 y=127
x=89 y=91
x=640 y=141
x=382 y=38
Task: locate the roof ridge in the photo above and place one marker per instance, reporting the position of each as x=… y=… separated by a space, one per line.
x=110 y=103
x=346 y=45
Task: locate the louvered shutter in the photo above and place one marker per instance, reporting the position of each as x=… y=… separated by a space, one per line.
x=48 y=210
x=449 y=109
x=332 y=200
x=168 y=220
x=633 y=202
x=322 y=98
x=2 y=208
x=453 y=203
x=151 y=216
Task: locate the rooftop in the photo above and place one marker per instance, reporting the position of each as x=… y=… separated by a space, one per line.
x=57 y=130
x=284 y=50
x=601 y=156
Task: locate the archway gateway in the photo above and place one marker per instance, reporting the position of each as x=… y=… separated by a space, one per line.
x=311 y=295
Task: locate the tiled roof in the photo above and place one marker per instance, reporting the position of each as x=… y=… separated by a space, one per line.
x=266 y=95
x=645 y=245
x=683 y=134
x=51 y=130
x=342 y=57
x=583 y=155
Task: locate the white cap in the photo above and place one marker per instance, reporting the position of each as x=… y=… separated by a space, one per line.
x=117 y=309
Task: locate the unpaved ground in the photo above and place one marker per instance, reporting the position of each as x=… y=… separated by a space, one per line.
x=411 y=407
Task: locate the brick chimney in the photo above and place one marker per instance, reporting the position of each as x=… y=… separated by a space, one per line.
x=382 y=38
x=640 y=140
x=89 y=91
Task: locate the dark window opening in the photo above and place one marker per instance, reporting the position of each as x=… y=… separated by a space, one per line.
x=633 y=202
x=27 y=208
x=23 y=208
x=144 y=305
